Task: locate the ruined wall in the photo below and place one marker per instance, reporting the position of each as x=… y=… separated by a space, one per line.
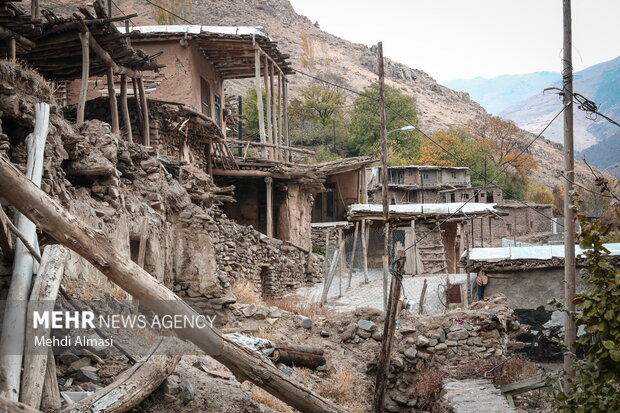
x=295 y=215
x=125 y=191
x=485 y=329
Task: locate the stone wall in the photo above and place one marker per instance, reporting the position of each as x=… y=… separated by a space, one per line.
x=485 y=329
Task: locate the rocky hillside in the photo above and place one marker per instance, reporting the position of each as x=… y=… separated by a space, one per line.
x=600 y=83
x=498 y=93
x=322 y=54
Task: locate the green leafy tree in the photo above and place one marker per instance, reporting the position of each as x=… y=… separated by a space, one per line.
x=365 y=125
x=250 y=112
x=597 y=383
x=323 y=102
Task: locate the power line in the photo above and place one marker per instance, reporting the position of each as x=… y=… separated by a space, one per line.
x=168 y=11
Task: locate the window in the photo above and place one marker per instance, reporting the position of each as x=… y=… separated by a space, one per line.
x=218 y=110
x=409 y=172
x=464 y=196
x=453 y=175
x=205 y=98
x=424 y=175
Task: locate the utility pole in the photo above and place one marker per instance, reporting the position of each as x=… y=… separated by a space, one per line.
x=392 y=305
x=570 y=333
x=384 y=177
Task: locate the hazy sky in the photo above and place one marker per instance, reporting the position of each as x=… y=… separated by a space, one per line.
x=451 y=39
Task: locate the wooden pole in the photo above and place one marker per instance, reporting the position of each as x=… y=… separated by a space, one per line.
x=113 y=103
x=42 y=298
x=125 y=109
x=352 y=259
x=570 y=329
x=274 y=114
x=268 y=97
x=365 y=230
x=146 y=131
x=415 y=248
x=341 y=261
x=269 y=212
x=50 y=399
x=279 y=142
x=259 y=101
x=12 y=55
x=490 y=233
x=325 y=264
x=84 y=39
x=383 y=365
x=286 y=134
x=422 y=297
x=384 y=176
x=95 y=247
x=482 y=232
x=14 y=322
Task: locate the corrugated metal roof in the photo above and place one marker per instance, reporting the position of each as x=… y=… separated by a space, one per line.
x=538 y=252
x=442 y=208
x=198 y=29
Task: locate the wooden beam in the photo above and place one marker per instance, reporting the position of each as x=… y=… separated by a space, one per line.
x=274 y=116
x=113 y=103
x=109 y=61
x=12 y=49
x=259 y=101
x=14 y=321
x=269 y=208
x=125 y=109
x=268 y=97
x=146 y=131
x=95 y=247
x=81 y=106
x=10 y=34
x=286 y=131
x=352 y=259
x=365 y=250
x=44 y=293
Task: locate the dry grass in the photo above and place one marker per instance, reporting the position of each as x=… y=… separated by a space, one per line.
x=501 y=371
x=299 y=306
x=261 y=396
x=246 y=292
x=346 y=387
x=428 y=386
x=27 y=78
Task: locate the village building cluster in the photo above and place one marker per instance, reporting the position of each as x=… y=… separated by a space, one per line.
x=146 y=148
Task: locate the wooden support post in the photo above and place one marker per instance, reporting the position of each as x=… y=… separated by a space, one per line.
x=12 y=49
x=365 y=230
x=325 y=264
x=113 y=103
x=286 y=135
x=209 y=155
x=341 y=261
x=352 y=259
x=136 y=97
x=50 y=399
x=81 y=106
x=281 y=155
x=383 y=365
x=35 y=10
x=422 y=297
x=14 y=324
x=384 y=177
x=96 y=248
x=42 y=299
x=490 y=232
x=268 y=103
x=327 y=282
x=259 y=101
x=482 y=232
x=146 y=128
x=471 y=229
x=269 y=209
x=274 y=114
x=125 y=109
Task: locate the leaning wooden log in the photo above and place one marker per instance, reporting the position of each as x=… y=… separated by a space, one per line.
x=96 y=248
x=19 y=235
x=6 y=242
x=125 y=109
x=50 y=399
x=81 y=106
x=304 y=348
x=294 y=358
x=133 y=385
x=14 y=321
x=42 y=298
x=9 y=406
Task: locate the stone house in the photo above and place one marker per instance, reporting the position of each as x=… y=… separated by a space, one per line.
x=529 y=277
